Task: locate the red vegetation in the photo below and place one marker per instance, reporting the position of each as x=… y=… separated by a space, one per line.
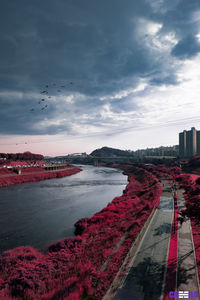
x=83 y=267
x=161 y=171
x=31 y=170
x=37 y=174
x=191 y=184
x=196 y=239
x=172 y=173
x=21 y=156
x=170 y=282
x=5 y=171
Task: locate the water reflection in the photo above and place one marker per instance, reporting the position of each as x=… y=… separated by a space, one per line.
x=39 y=213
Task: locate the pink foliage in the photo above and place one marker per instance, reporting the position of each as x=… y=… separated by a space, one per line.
x=5 y=171
x=36 y=174
x=170 y=282
x=191 y=184
x=86 y=265
x=21 y=156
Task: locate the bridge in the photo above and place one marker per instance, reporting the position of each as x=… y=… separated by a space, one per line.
x=113 y=159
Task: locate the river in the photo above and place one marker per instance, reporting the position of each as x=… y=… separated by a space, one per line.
x=39 y=213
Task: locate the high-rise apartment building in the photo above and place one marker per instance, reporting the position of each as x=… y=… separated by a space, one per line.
x=198 y=142
x=182 y=144
x=189 y=143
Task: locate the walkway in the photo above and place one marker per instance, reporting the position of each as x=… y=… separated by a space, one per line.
x=146 y=274
x=187 y=279
x=148 y=267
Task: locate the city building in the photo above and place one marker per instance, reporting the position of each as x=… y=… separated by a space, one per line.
x=182 y=144
x=163 y=151
x=189 y=143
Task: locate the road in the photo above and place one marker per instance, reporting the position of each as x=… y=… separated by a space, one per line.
x=187 y=279
x=146 y=277
x=146 y=272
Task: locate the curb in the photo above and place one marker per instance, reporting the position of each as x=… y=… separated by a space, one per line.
x=126 y=265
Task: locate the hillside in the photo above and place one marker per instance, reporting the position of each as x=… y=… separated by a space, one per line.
x=111 y=152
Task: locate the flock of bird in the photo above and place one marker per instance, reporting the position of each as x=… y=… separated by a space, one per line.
x=46 y=96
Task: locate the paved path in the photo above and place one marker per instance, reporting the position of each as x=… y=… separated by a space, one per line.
x=187 y=279
x=146 y=277
x=147 y=269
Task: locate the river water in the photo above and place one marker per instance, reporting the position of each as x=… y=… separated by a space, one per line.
x=39 y=213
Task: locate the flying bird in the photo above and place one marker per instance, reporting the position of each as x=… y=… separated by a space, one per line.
x=32 y=109
x=46 y=86
x=58 y=91
x=44 y=107
x=44 y=92
x=43 y=99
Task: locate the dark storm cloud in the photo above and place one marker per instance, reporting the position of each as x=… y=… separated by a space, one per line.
x=168 y=80
x=103 y=47
x=19 y=119
x=122 y=105
x=187 y=47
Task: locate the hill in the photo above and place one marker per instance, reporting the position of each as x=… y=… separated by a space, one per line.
x=111 y=152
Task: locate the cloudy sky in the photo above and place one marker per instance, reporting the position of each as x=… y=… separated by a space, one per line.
x=118 y=73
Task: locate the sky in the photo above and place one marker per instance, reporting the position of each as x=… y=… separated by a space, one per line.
x=79 y=75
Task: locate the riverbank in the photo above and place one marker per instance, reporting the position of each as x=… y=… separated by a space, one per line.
x=46 y=211
x=37 y=174
x=86 y=265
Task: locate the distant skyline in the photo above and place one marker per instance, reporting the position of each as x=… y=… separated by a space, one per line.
x=122 y=74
